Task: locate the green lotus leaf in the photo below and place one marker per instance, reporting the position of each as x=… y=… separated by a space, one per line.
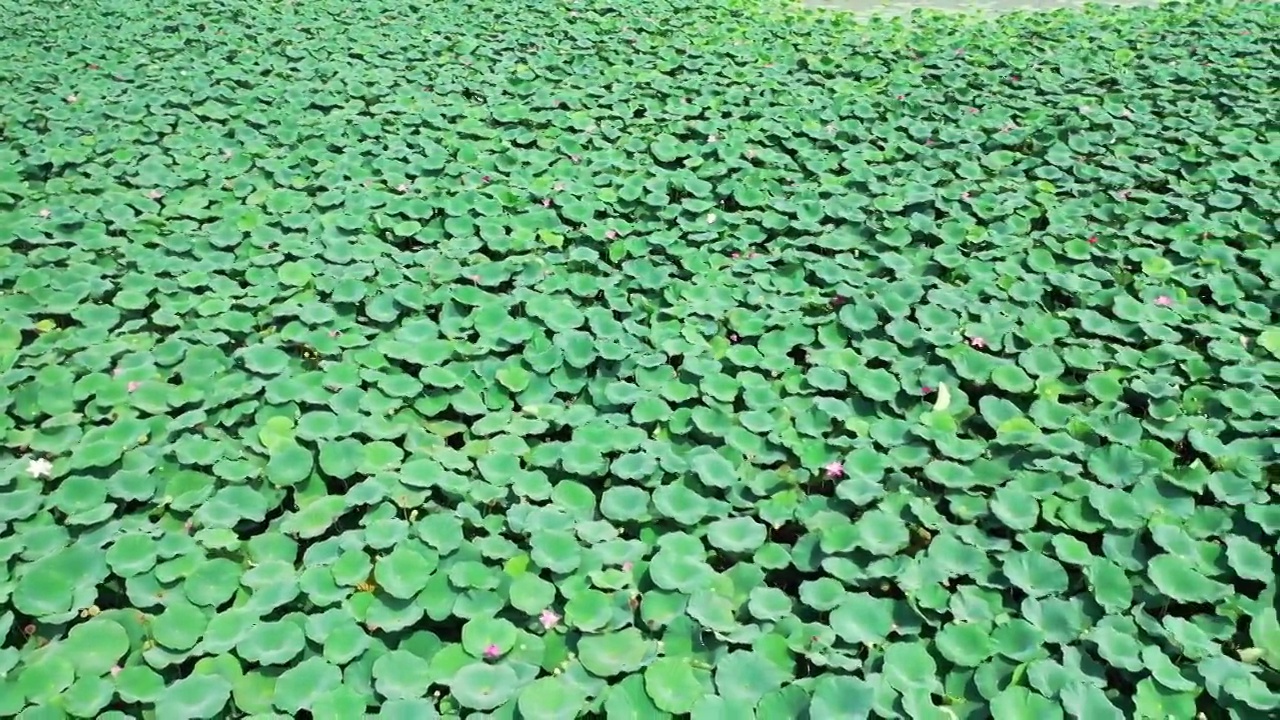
x=483 y=687
x=614 y=653
x=550 y=698
x=401 y=675
x=196 y=697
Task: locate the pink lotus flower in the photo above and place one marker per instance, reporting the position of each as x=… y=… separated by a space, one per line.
x=134 y=385
x=973 y=111
x=548 y=618
x=964 y=195
x=926 y=390
x=975 y=341
x=1093 y=239
x=44 y=213
x=492 y=651
x=546 y=202
x=402 y=187
x=711 y=138
x=115 y=670
x=72 y=98
x=835 y=469
x=611 y=234
x=711 y=217
x=733 y=337
x=626 y=566
x=116 y=372
x=155 y=194
x=733 y=255
x=1164 y=301
x=485 y=179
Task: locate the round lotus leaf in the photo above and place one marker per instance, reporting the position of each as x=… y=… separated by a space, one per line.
x=551 y=698
x=844 y=697
x=674 y=685
x=88 y=696
x=272 y=642
x=213 y=582
x=265 y=359
x=822 y=594
x=556 y=551
x=531 y=594
x=337 y=701
x=482 y=686
x=401 y=675
x=404 y=571
x=180 y=626
x=769 y=603
x=737 y=535
x=614 y=653
x=290 y=463
x=747 y=676
x=481 y=634
x=59 y=583
x=1176 y=578
x=908 y=666
x=965 y=644
x=45 y=679
x=196 y=697
x=139 y=683
x=95 y=646
x=301 y=687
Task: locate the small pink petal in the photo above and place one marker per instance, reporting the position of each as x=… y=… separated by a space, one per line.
x=611 y=234
x=835 y=469
x=626 y=566
x=492 y=651
x=155 y=194
x=134 y=385
x=926 y=390
x=1164 y=301
x=548 y=619
x=977 y=342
